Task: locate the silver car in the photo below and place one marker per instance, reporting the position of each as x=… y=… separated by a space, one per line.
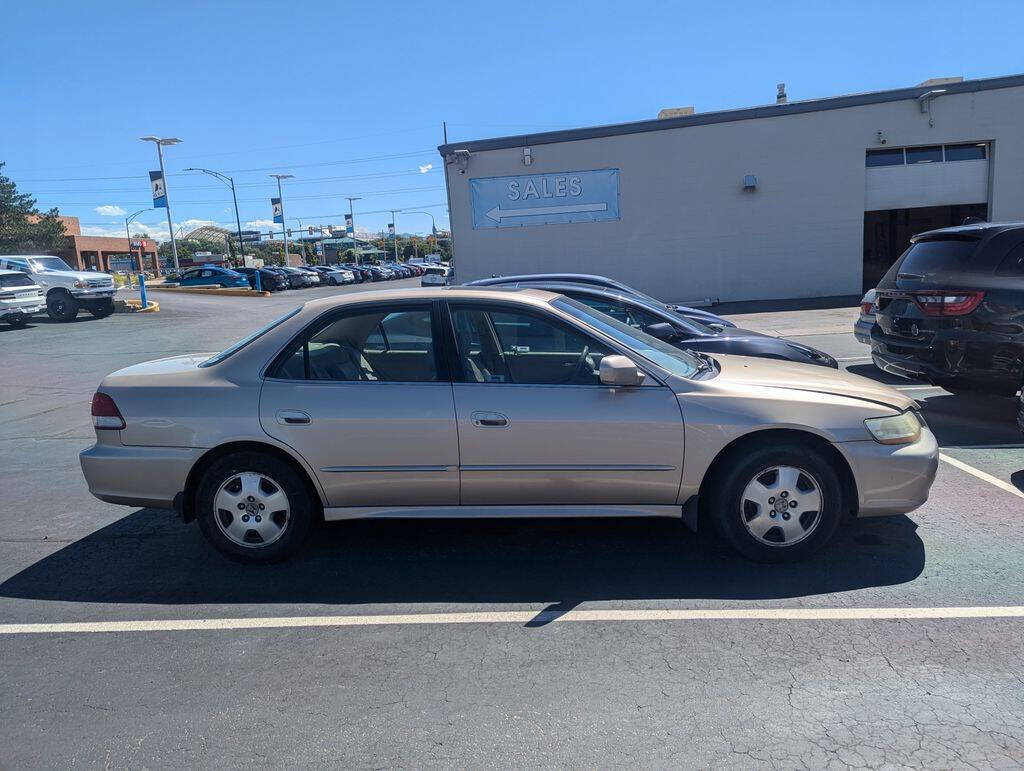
x=489 y=403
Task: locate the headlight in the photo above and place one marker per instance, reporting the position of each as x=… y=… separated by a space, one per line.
x=79 y=284
x=904 y=428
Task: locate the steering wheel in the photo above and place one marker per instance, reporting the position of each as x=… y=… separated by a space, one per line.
x=578 y=367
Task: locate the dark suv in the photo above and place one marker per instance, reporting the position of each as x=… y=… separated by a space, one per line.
x=951 y=310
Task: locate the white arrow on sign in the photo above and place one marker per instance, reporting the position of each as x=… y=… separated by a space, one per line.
x=497 y=213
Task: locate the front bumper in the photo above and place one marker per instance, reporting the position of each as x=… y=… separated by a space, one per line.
x=892 y=479
x=137 y=476
x=98 y=293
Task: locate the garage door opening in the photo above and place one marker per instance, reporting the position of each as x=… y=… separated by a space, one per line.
x=887 y=233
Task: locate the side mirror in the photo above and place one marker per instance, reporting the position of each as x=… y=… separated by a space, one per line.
x=620 y=371
x=717 y=327
x=662 y=330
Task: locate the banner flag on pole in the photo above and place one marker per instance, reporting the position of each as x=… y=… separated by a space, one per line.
x=275 y=204
x=156 y=181
x=348 y=226
x=391 y=230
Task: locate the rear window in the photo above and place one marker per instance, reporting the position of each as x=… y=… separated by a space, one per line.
x=218 y=358
x=927 y=258
x=16 y=279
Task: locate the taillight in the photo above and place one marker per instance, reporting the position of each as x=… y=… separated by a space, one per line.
x=865 y=308
x=105 y=414
x=947 y=302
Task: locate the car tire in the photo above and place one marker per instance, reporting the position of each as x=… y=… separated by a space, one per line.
x=18 y=322
x=745 y=483
x=253 y=480
x=102 y=310
x=60 y=306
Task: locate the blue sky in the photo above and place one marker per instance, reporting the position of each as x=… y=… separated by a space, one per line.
x=349 y=97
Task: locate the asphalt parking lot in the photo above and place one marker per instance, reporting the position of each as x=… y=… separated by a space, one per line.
x=584 y=643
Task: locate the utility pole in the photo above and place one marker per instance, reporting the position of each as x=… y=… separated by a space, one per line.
x=160 y=142
x=284 y=226
x=352 y=219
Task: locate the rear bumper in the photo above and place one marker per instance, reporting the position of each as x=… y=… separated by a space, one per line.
x=862 y=329
x=137 y=476
x=892 y=479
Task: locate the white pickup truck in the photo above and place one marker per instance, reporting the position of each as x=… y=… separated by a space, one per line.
x=19 y=298
x=67 y=291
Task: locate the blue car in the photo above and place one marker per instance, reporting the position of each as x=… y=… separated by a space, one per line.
x=211 y=275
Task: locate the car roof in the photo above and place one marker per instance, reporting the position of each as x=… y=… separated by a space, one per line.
x=585 y=278
x=976 y=229
x=536 y=297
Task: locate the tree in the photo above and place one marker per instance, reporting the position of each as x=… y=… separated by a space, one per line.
x=22 y=228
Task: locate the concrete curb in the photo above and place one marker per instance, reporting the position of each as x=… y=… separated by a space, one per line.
x=198 y=290
x=136 y=307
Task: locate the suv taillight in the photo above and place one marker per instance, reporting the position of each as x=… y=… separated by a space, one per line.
x=105 y=414
x=865 y=309
x=948 y=302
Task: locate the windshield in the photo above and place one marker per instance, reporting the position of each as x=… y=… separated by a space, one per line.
x=651 y=348
x=232 y=349
x=49 y=263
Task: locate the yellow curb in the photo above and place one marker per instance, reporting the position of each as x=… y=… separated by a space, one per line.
x=197 y=290
x=153 y=307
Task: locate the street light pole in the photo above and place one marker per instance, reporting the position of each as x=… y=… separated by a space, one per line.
x=352 y=219
x=394 y=226
x=433 y=224
x=128 y=233
x=238 y=222
x=284 y=225
x=160 y=142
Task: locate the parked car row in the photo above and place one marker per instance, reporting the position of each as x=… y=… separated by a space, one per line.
x=273 y=278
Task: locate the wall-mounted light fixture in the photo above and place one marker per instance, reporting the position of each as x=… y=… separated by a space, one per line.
x=750 y=182
x=925 y=101
x=527 y=156
x=461 y=160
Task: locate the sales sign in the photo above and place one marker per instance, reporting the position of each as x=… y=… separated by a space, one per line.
x=545 y=199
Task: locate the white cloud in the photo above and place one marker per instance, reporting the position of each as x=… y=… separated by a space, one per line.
x=260 y=224
x=425 y=169
x=109 y=210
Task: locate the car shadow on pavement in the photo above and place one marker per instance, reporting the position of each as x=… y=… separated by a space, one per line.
x=151 y=557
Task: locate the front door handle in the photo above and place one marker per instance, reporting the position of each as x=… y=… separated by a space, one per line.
x=489 y=419
x=293 y=418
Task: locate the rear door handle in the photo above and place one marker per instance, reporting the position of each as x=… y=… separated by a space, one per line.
x=293 y=418
x=489 y=419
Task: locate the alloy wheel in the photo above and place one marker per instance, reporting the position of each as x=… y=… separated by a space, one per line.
x=781 y=505
x=251 y=509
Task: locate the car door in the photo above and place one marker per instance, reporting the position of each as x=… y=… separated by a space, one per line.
x=535 y=425
x=364 y=397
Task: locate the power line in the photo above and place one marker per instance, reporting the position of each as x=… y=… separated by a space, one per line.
x=367 y=159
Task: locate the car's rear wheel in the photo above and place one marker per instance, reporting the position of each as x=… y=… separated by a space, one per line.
x=254 y=507
x=60 y=306
x=18 y=322
x=776 y=503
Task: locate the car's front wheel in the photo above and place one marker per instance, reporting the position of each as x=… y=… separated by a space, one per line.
x=776 y=503
x=253 y=507
x=61 y=306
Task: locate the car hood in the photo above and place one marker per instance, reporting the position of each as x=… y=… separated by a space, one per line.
x=73 y=275
x=772 y=373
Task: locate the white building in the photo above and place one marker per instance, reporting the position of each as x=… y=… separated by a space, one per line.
x=797 y=199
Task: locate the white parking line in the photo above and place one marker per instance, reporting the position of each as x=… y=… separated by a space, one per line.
x=519 y=617
x=982 y=475
x=853 y=358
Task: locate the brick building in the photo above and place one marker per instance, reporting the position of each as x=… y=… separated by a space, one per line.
x=106 y=254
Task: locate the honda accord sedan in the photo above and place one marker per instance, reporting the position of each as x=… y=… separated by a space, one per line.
x=486 y=403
